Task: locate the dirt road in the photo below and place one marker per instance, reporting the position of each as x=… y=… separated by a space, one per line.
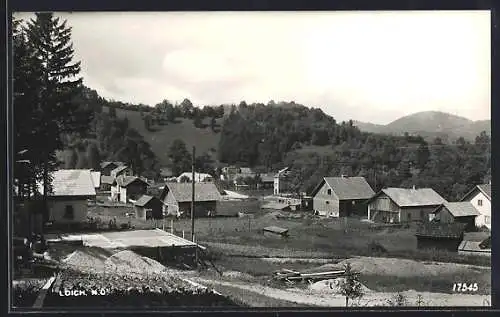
x=307 y=297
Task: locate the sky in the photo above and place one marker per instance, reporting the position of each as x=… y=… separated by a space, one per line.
x=367 y=66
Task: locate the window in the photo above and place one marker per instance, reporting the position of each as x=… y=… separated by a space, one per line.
x=479 y=202
x=487 y=220
x=69 y=212
x=329 y=191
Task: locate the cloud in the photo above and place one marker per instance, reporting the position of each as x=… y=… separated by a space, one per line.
x=370 y=66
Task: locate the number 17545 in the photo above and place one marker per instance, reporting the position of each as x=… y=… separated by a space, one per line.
x=464 y=287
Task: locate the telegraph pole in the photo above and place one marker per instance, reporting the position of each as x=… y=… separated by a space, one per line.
x=192 y=192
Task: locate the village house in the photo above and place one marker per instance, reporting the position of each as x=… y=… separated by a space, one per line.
x=480 y=197
x=121 y=170
x=396 y=205
x=126 y=188
x=71 y=190
x=341 y=196
x=440 y=236
x=176 y=198
x=107 y=167
x=462 y=212
x=148 y=207
x=198 y=177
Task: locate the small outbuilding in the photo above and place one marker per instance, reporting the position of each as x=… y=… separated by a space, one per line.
x=275 y=231
x=462 y=212
x=148 y=207
x=441 y=236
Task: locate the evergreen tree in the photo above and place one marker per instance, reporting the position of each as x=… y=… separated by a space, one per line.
x=50 y=39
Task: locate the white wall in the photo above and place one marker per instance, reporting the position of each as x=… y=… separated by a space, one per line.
x=484 y=210
x=123 y=195
x=115 y=190
x=57 y=209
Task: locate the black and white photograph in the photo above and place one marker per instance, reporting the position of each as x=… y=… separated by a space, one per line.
x=227 y=160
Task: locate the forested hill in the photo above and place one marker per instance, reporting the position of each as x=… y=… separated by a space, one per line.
x=314 y=145
x=276 y=135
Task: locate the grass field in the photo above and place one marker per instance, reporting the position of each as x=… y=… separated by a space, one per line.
x=163 y=136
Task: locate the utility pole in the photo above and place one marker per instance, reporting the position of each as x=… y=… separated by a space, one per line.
x=192 y=192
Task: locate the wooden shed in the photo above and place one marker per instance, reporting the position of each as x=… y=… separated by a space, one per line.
x=275 y=231
x=442 y=236
x=148 y=207
x=452 y=212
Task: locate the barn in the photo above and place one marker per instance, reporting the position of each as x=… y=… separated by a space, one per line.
x=398 y=205
x=176 y=198
x=341 y=196
x=450 y=212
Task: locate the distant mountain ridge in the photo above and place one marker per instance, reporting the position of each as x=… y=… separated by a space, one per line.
x=430 y=124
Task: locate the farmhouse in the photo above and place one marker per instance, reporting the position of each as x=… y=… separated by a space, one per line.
x=442 y=236
x=71 y=190
x=198 y=177
x=341 y=196
x=463 y=212
x=480 y=197
x=107 y=167
x=396 y=205
x=148 y=207
x=176 y=198
x=127 y=188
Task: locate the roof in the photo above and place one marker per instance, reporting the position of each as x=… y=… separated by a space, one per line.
x=274 y=205
x=96 y=178
x=105 y=164
x=459 y=209
x=347 y=188
x=182 y=192
x=198 y=177
x=405 y=197
x=275 y=229
x=124 y=181
x=473 y=246
x=441 y=230
x=144 y=200
x=72 y=182
x=119 y=169
x=107 y=179
x=483 y=188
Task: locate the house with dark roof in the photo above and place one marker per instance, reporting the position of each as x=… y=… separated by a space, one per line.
x=71 y=190
x=148 y=207
x=121 y=170
x=450 y=212
x=107 y=167
x=397 y=205
x=176 y=198
x=441 y=236
x=341 y=196
x=126 y=188
x=480 y=198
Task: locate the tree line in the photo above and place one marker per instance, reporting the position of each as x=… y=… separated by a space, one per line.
x=315 y=145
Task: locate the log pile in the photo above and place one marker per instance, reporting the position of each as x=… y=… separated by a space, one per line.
x=292 y=276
